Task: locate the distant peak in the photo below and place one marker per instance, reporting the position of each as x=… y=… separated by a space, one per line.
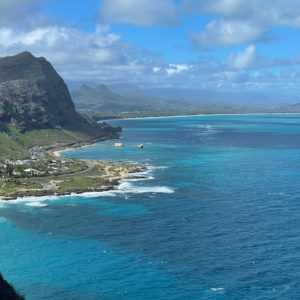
x=26 y=54
x=85 y=87
x=102 y=86
x=20 y=56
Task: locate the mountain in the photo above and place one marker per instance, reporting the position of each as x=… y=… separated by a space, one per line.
x=7 y=292
x=34 y=96
x=121 y=98
x=88 y=97
x=145 y=96
x=286 y=108
x=36 y=108
x=128 y=90
x=101 y=98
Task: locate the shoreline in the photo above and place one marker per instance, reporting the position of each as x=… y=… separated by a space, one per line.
x=198 y=115
x=57 y=153
x=58 y=149
x=114 y=182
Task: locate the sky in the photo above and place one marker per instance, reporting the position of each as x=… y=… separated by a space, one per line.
x=224 y=45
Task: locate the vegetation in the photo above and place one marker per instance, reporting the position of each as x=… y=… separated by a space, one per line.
x=14 y=144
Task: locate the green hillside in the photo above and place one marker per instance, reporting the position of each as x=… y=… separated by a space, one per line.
x=14 y=144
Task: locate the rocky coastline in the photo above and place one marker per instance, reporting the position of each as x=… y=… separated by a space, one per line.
x=106 y=176
x=112 y=185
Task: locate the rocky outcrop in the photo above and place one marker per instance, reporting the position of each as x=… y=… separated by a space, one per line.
x=7 y=292
x=34 y=96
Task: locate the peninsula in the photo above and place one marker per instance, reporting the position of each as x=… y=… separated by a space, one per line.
x=37 y=117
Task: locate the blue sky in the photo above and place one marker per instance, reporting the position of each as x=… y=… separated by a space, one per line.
x=230 y=45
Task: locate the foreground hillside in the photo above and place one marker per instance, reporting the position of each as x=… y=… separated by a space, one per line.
x=7 y=292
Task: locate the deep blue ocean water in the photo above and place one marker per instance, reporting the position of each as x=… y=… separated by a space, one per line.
x=217 y=218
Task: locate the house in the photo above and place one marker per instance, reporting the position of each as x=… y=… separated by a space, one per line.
x=16 y=173
x=53 y=164
x=32 y=172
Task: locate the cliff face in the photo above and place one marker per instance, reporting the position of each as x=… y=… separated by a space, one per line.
x=7 y=292
x=34 y=96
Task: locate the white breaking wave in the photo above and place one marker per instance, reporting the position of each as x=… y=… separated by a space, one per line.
x=36 y=204
x=219 y=290
x=95 y=194
x=127 y=187
x=142 y=178
x=207 y=130
x=30 y=199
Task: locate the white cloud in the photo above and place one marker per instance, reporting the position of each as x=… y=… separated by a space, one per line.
x=268 y=12
x=176 y=69
x=97 y=56
x=242 y=60
x=227 y=33
x=249 y=59
x=69 y=49
x=240 y=21
x=137 y=12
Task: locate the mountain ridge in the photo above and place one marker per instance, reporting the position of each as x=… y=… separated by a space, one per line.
x=102 y=98
x=34 y=96
x=36 y=108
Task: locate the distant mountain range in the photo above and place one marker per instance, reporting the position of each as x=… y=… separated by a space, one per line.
x=122 y=98
x=128 y=100
x=101 y=98
x=128 y=90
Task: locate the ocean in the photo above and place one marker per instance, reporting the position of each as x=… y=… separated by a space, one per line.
x=217 y=216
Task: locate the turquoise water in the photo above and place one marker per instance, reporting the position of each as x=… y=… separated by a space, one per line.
x=217 y=217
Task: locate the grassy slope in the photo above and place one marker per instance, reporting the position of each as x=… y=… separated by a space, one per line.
x=14 y=144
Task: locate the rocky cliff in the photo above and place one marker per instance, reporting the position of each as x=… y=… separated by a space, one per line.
x=34 y=96
x=7 y=292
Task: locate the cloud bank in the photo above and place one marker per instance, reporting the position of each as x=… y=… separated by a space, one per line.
x=101 y=55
